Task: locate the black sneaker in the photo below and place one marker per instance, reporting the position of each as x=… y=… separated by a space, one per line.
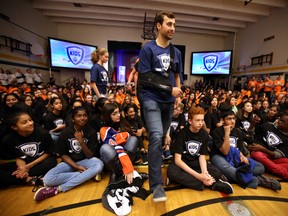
x=144 y=176
x=144 y=157
x=137 y=158
x=223 y=178
x=37 y=182
x=268 y=183
x=223 y=186
x=167 y=155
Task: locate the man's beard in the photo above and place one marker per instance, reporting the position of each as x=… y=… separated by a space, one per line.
x=168 y=38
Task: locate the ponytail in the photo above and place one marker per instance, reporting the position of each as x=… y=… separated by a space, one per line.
x=95 y=56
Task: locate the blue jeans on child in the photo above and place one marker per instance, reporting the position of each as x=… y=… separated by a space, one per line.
x=66 y=177
x=108 y=152
x=230 y=172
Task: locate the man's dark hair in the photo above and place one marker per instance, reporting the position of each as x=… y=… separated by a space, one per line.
x=160 y=16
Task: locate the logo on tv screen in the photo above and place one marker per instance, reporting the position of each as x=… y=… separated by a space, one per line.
x=210 y=62
x=75 y=54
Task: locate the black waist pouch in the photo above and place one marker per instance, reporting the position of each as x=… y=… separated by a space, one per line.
x=155 y=81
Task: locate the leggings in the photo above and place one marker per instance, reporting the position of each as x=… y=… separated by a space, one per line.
x=7 y=169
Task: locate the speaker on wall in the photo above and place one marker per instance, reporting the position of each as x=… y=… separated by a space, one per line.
x=185 y=76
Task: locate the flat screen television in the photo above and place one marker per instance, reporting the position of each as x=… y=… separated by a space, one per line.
x=68 y=54
x=211 y=62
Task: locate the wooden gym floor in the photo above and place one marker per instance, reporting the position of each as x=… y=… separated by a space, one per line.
x=86 y=200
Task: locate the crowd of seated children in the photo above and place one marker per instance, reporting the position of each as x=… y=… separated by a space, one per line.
x=229 y=154
x=251 y=115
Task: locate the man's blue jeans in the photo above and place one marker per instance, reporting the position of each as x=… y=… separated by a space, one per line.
x=158 y=117
x=230 y=172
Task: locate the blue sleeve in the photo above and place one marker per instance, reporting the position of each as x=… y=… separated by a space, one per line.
x=93 y=73
x=145 y=60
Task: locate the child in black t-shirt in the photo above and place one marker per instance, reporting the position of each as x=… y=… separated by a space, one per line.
x=189 y=167
x=77 y=146
x=54 y=121
x=134 y=125
x=31 y=149
x=272 y=151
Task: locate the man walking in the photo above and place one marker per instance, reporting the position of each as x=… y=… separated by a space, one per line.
x=160 y=67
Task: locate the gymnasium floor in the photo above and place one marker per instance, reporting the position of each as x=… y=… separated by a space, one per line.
x=86 y=200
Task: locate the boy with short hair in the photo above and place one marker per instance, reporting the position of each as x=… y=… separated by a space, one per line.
x=229 y=155
x=189 y=167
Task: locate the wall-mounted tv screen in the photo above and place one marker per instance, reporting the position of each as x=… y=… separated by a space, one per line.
x=68 y=54
x=211 y=62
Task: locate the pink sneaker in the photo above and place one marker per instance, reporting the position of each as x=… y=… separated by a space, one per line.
x=45 y=192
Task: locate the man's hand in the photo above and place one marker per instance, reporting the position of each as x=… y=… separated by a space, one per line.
x=176 y=92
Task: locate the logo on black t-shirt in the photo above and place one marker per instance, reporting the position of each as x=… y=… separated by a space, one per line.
x=174 y=125
x=186 y=117
x=245 y=125
x=233 y=141
x=75 y=145
x=272 y=139
x=58 y=122
x=193 y=147
x=30 y=149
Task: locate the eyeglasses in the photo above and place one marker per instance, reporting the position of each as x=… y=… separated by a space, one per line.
x=28 y=100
